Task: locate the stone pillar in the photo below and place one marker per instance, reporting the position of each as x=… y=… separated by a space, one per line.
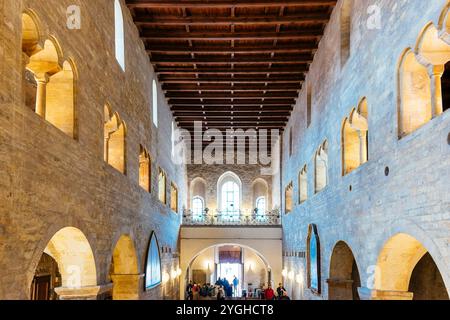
x=41 y=94
x=436 y=73
x=373 y=294
x=127 y=286
x=82 y=293
x=340 y=289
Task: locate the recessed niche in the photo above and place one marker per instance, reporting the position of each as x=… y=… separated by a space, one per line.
x=350 y=188
x=448 y=139
x=386 y=171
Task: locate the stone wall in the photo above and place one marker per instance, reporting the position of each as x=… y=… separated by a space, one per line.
x=366 y=208
x=247 y=173
x=50 y=181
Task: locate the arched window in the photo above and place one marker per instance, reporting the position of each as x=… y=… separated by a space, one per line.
x=144 y=169
x=346 y=25
x=119 y=34
x=229 y=194
x=321 y=167
x=303 y=185
x=162 y=186
x=174 y=197
x=155 y=103
x=288 y=195
x=153 y=275
x=115 y=140
x=48 y=81
x=355 y=139
x=198 y=207
x=261 y=205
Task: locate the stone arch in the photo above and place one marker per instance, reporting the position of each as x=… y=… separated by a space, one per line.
x=396 y=263
x=145 y=169
x=434 y=54
x=444 y=24
x=31 y=33
x=260 y=188
x=224 y=178
x=115 y=132
x=414 y=94
x=60 y=99
x=321 y=167
x=354 y=138
x=124 y=270
x=73 y=254
x=344 y=279
x=197 y=188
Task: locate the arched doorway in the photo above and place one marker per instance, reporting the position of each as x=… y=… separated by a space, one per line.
x=221 y=264
x=405 y=266
x=344 y=279
x=68 y=255
x=124 y=270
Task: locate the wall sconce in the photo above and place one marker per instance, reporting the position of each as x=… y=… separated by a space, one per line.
x=299 y=279
x=250 y=266
x=165 y=277
x=173 y=274
x=178 y=271
x=291 y=275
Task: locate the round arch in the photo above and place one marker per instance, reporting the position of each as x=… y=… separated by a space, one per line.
x=344 y=279
x=73 y=254
x=398 y=259
x=224 y=178
x=124 y=270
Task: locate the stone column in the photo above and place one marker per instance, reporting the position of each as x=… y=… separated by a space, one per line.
x=436 y=73
x=127 y=286
x=41 y=94
x=82 y=293
x=340 y=289
x=373 y=294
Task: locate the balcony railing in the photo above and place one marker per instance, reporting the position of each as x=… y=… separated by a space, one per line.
x=231 y=218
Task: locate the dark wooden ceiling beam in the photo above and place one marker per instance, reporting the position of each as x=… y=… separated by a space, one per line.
x=200 y=80
x=223 y=114
x=170 y=70
x=219 y=36
x=225 y=3
x=237 y=87
x=238 y=60
x=304 y=18
x=237 y=102
x=174 y=49
x=255 y=109
x=229 y=95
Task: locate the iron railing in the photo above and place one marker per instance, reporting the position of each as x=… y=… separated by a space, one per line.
x=231 y=218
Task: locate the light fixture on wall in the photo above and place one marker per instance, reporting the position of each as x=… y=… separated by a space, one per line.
x=250 y=266
x=173 y=274
x=299 y=279
x=291 y=275
x=165 y=277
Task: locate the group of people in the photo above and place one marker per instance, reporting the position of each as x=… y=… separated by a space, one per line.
x=222 y=290
x=269 y=293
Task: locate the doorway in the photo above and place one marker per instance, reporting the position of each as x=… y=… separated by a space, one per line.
x=227 y=271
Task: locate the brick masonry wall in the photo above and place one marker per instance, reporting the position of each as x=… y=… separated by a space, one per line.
x=50 y=181
x=414 y=198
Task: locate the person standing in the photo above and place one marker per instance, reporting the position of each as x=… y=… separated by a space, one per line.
x=269 y=293
x=280 y=290
x=235 y=286
x=189 y=294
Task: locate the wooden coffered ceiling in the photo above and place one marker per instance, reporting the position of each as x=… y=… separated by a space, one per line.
x=231 y=63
